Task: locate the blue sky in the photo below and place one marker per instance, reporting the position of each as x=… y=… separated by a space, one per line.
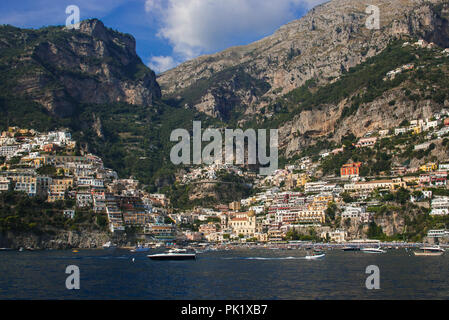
x=168 y=32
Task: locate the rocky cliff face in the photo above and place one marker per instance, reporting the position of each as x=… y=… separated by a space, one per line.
x=301 y=131
x=331 y=38
x=62 y=240
x=61 y=68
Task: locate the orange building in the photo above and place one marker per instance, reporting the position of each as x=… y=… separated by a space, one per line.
x=350 y=170
x=49 y=147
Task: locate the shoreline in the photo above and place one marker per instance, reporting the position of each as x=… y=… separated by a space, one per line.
x=224 y=247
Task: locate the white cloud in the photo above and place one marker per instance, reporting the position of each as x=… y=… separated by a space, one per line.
x=194 y=27
x=162 y=63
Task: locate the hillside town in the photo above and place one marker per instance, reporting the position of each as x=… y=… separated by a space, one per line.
x=296 y=202
x=297 y=199
x=46 y=165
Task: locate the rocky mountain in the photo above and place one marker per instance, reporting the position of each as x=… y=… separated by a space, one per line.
x=363 y=101
x=316 y=79
x=92 y=82
x=61 y=68
x=329 y=40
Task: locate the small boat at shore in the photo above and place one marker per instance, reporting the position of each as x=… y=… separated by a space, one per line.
x=174 y=254
x=140 y=249
x=429 y=251
x=351 y=249
x=372 y=250
x=109 y=245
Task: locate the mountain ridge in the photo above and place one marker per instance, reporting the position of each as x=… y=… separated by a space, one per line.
x=131 y=132
x=327 y=41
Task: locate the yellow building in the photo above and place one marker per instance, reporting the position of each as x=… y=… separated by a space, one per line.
x=314 y=213
x=302 y=180
x=244 y=223
x=416 y=130
x=261 y=237
x=53 y=197
x=393 y=184
x=324 y=199
x=25 y=183
x=275 y=235
x=58 y=188
x=429 y=167
x=235 y=206
x=61 y=185
x=36 y=162
x=71 y=145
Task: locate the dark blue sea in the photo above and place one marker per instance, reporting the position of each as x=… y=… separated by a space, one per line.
x=250 y=274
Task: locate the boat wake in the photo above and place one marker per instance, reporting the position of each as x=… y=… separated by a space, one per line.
x=264 y=258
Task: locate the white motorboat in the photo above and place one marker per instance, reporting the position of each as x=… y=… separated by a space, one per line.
x=174 y=254
x=109 y=245
x=429 y=251
x=317 y=254
x=372 y=250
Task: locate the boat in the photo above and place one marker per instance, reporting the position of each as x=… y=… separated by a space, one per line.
x=5 y=249
x=174 y=254
x=429 y=251
x=351 y=249
x=140 y=249
x=317 y=254
x=373 y=250
x=109 y=245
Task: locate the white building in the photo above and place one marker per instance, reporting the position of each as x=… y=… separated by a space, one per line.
x=352 y=212
x=69 y=213
x=440 y=206
x=4 y=184
x=430 y=125
x=398 y=131
x=338 y=236
x=318 y=187
x=437 y=233
x=9 y=151
x=257 y=209
x=83 y=199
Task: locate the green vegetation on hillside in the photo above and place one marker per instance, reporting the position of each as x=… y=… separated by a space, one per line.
x=20 y=213
x=361 y=84
x=229 y=187
x=238 y=79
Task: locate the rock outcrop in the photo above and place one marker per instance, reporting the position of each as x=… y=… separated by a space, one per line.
x=61 y=68
x=61 y=240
